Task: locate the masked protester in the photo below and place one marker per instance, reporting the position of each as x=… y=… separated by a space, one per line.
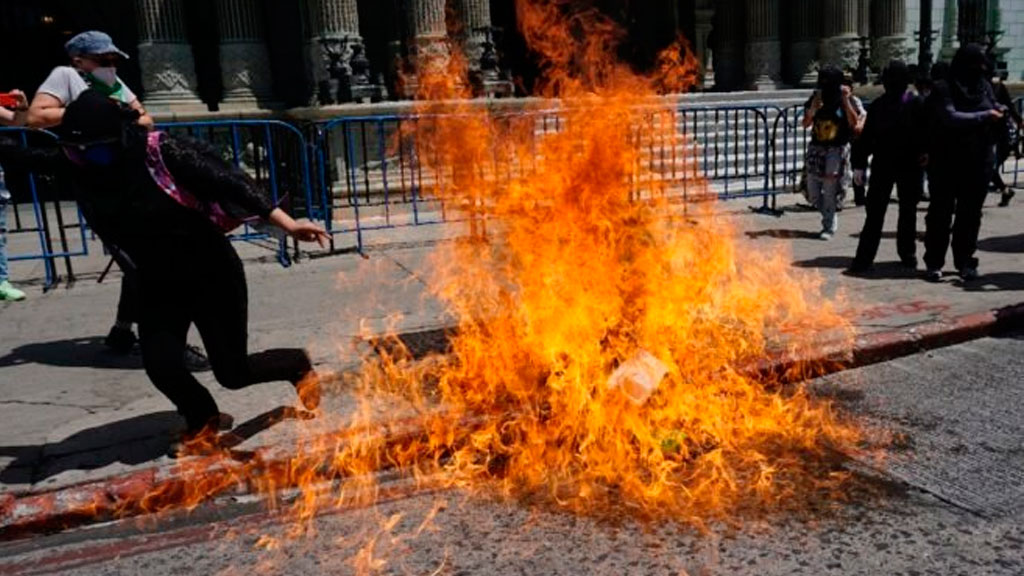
x=94 y=60
x=965 y=116
x=893 y=139
x=175 y=198
x=833 y=121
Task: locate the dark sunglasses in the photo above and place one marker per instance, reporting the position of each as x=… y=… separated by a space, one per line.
x=103 y=59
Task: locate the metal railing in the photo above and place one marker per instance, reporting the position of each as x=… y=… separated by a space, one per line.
x=43 y=207
x=360 y=174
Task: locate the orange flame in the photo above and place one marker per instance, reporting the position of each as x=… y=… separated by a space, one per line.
x=606 y=343
x=585 y=271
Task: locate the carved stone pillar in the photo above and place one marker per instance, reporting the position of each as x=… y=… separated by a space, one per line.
x=244 y=62
x=763 y=50
x=704 y=17
x=888 y=32
x=165 y=57
x=805 y=26
x=949 y=31
x=839 y=45
x=973 y=21
x=341 y=70
x=429 y=33
x=727 y=44
x=478 y=42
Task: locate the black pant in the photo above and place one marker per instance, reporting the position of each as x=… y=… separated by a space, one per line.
x=907 y=180
x=128 y=304
x=957 y=196
x=217 y=302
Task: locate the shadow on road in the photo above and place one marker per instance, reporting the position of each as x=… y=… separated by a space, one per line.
x=88 y=352
x=994 y=282
x=1004 y=244
x=882 y=270
x=132 y=441
x=784 y=234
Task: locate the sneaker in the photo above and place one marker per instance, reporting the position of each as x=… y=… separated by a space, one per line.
x=10 y=293
x=120 y=340
x=1008 y=195
x=968 y=274
x=826 y=235
x=933 y=275
x=195 y=360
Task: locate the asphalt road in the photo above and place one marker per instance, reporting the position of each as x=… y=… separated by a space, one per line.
x=951 y=501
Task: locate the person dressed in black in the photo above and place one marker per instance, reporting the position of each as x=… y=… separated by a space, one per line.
x=174 y=200
x=964 y=116
x=892 y=138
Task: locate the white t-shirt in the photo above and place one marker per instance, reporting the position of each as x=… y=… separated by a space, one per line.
x=66 y=84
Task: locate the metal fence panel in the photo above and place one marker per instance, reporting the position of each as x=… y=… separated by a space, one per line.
x=43 y=208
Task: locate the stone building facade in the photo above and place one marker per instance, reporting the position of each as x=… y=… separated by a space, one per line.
x=194 y=55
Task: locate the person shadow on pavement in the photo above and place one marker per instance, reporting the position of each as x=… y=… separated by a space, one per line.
x=88 y=352
x=133 y=441
x=1003 y=244
x=881 y=270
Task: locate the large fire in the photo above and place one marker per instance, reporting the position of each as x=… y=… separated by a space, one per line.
x=603 y=341
x=604 y=350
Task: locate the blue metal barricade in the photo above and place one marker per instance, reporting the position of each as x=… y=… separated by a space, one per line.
x=56 y=226
x=369 y=175
x=274 y=153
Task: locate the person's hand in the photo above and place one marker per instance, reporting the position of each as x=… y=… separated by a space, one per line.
x=845 y=91
x=22 y=99
x=922 y=160
x=309 y=232
x=995 y=115
x=816 y=101
x=858 y=176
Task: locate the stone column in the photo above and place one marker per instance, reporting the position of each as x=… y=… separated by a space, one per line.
x=973 y=19
x=839 y=45
x=805 y=28
x=340 y=67
x=244 y=62
x=703 y=18
x=763 y=50
x=888 y=31
x=949 y=31
x=478 y=41
x=165 y=57
x=727 y=45
x=429 y=33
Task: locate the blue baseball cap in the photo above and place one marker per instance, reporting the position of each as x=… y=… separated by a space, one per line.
x=92 y=42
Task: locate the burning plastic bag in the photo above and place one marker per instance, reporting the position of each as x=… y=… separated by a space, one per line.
x=639 y=376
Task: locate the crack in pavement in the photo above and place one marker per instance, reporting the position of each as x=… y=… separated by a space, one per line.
x=90 y=409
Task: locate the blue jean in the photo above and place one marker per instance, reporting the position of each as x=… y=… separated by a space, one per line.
x=3 y=241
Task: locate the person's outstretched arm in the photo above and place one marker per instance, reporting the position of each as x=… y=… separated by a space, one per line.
x=198 y=168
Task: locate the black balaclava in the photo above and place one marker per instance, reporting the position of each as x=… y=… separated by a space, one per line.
x=830 y=82
x=896 y=78
x=969 y=75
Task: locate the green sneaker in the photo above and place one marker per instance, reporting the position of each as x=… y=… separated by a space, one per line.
x=8 y=292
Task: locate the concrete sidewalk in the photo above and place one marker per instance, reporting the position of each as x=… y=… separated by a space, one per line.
x=75 y=416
